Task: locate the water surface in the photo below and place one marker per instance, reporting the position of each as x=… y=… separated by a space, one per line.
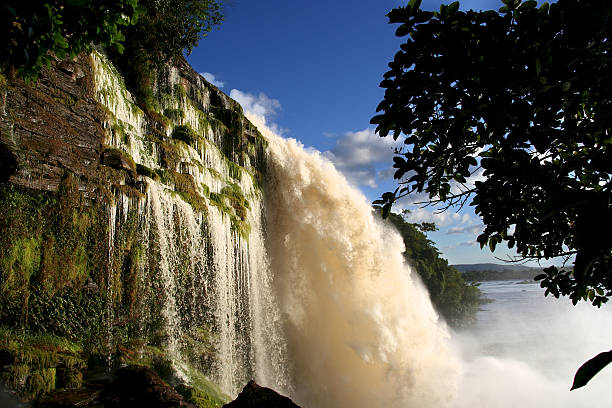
x=525 y=348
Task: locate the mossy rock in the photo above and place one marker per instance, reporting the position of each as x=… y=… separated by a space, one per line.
x=146 y=171
x=185 y=134
x=174 y=114
x=69 y=378
x=40 y=382
x=198 y=397
x=118 y=159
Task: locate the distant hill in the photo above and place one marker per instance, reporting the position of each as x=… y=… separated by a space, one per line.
x=492 y=267
x=491 y=271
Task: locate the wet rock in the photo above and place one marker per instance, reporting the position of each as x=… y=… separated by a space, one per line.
x=8 y=163
x=52 y=127
x=68 y=399
x=117 y=159
x=141 y=387
x=255 y=396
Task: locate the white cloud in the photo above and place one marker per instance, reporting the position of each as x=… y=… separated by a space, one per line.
x=212 y=79
x=260 y=105
x=441 y=219
x=359 y=155
x=469 y=243
x=469 y=229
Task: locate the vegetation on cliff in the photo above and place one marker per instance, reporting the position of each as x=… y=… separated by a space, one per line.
x=456 y=300
x=153 y=31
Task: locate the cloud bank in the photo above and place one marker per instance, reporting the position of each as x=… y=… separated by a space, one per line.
x=360 y=155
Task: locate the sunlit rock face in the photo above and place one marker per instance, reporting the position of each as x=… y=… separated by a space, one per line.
x=179 y=188
x=219 y=251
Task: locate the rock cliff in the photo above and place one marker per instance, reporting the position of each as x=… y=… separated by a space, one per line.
x=129 y=233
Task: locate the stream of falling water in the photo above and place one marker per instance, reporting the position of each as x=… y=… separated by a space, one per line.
x=316 y=302
x=360 y=330
x=229 y=288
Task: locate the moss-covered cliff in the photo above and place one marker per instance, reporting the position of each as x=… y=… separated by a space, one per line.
x=125 y=229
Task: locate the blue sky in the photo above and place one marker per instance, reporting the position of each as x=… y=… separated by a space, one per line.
x=313 y=69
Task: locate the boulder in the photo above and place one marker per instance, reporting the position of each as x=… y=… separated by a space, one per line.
x=136 y=386
x=255 y=396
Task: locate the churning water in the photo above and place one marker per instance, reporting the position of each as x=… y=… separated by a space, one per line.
x=359 y=329
x=525 y=350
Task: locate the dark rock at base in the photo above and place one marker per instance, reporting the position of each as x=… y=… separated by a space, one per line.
x=9 y=399
x=141 y=387
x=68 y=399
x=255 y=396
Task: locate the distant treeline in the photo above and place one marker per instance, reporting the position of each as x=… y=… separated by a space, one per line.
x=456 y=300
x=506 y=274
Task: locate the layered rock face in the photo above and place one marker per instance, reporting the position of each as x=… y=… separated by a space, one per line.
x=134 y=233
x=52 y=127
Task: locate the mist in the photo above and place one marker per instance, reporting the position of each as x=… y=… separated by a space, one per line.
x=526 y=348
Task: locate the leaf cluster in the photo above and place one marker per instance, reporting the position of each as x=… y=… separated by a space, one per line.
x=172 y=27
x=33 y=33
x=520 y=98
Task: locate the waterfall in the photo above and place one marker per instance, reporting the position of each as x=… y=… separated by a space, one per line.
x=299 y=286
x=360 y=329
x=210 y=276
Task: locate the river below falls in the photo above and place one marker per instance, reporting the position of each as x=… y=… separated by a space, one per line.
x=525 y=348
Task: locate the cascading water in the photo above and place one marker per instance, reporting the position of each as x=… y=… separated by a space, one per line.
x=360 y=331
x=315 y=302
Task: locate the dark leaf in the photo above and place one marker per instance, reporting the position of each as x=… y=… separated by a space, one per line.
x=590 y=369
x=386 y=210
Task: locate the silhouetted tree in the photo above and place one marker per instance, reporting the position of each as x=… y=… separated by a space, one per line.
x=523 y=94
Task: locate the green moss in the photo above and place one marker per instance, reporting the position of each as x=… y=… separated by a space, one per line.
x=236 y=198
x=185 y=134
x=198 y=397
x=179 y=91
x=21 y=262
x=235 y=171
x=69 y=378
x=205 y=190
x=50 y=244
x=40 y=382
x=146 y=171
x=39 y=363
x=15 y=375
x=236 y=209
x=174 y=114
x=170 y=155
x=215 y=173
x=201 y=391
x=195 y=201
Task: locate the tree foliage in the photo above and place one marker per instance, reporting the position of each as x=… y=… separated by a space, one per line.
x=454 y=299
x=152 y=32
x=522 y=99
x=172 y=27
x=33 y=33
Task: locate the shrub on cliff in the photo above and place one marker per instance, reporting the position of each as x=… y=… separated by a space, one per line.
x=452 y=297
x=33 y=32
